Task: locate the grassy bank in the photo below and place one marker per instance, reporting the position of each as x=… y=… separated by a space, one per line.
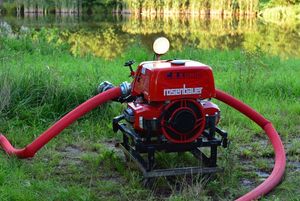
x=40 y=81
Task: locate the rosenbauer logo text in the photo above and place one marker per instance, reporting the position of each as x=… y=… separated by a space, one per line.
x=182 y=91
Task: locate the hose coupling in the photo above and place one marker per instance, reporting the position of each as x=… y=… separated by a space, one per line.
x=125 y=89
x=104 y=86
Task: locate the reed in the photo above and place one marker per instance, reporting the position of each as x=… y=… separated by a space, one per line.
x=137 y=7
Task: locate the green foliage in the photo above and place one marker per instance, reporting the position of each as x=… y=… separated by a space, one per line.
x=60 y=6
x=135 y=6
x=248 y=65
x=288 y=16
x=8 y=7
x=218 y=7
x=273 y=3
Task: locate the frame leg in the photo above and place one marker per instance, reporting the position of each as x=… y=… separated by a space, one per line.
x=151 y=156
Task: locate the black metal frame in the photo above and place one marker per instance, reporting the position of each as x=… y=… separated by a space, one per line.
x=134 y=145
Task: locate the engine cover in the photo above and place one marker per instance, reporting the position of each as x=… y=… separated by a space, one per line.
x=172 y=98
x=172 y=80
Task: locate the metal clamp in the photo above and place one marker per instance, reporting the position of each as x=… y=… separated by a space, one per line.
x=125 y=89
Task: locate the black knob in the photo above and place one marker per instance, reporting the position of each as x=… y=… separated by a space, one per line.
x=129 y=63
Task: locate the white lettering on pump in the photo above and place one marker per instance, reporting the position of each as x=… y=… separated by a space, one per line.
x=182 y=91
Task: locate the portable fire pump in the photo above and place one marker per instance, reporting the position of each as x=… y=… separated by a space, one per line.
x=169 y=109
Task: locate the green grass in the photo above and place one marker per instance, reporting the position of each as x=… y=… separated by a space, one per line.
x=40 y=82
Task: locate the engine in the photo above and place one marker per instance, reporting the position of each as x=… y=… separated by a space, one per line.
x=172 y=100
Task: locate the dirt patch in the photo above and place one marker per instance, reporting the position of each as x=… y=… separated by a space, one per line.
x=72 y=152
x=114 y=146
x=262 y=176
x=247 y=183
x=80 y=165
x=70 y=155
x=295 y=165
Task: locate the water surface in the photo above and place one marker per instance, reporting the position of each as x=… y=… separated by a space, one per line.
x=108 y=36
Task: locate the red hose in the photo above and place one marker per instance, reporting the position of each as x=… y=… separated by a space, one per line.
x=280 y=159
x=59 y=126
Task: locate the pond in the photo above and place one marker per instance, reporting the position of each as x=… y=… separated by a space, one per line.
x=108 y=36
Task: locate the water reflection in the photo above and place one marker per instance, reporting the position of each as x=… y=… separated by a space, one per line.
x=105 y=43
x=249 y=34
x=69 y=22
x=201 y=33
x=107 y=36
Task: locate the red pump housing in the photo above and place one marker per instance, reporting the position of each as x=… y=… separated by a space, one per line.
x=171 y=80
x=172 y=99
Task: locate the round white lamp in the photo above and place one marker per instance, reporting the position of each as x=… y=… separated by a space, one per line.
x=161 y=46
